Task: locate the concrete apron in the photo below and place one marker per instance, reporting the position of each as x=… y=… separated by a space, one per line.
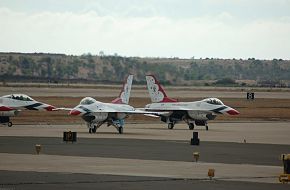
x=137 y=167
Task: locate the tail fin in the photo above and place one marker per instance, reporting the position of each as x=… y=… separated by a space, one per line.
x=124 y=95
x=156 y=92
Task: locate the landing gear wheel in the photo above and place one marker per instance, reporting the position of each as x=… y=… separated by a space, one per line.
x=170 y=125
x=90 y=130
x=191 y=126
x=94 y=130
x=206 y=127
x=9 y=124
x=120 y=129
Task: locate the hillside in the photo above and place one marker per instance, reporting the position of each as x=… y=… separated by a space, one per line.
x=40 y=67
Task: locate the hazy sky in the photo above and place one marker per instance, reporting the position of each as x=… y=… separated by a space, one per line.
x=153 y=28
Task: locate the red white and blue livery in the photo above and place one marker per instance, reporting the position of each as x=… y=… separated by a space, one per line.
x=97 y=113
x=192 y=113
x=11 y=105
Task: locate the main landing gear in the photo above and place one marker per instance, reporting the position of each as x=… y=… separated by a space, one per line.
x=9 y=124
x=170 y=125
x=120 y=130
x=93 y=128
x=201 y=123
x=5 y=120
x=119 y=125
x=190 y=126
x=190 y=123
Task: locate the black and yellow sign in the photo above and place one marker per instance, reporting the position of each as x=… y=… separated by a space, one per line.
x=70 y=136
x=250 y=95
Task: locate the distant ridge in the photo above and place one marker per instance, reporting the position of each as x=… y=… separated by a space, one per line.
x=87 y=68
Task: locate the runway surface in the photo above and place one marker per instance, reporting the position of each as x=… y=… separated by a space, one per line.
x=76 y=181
x=145 y=156
x=147 y=149
x=252 y=132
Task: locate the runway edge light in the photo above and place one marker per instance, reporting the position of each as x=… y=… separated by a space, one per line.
x=38 y=148
x=196 y=156
x=211 y=173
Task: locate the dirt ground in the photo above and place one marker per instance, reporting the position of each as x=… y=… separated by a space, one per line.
x=269 y=105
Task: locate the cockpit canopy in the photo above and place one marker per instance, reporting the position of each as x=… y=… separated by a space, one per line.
x=213 y=101
x=21 y=97
x=87 y=101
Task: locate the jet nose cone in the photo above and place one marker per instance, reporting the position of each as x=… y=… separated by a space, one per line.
x=74 y=112
x=49 y=108
x=233 y=112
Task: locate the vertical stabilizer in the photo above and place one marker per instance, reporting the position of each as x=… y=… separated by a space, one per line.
x=156 y=92
x=124 y=95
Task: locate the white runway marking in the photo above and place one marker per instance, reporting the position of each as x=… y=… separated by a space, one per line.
x=137 y=167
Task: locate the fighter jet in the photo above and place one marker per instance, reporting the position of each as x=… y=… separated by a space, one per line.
x=96 y=113
x=192 y=113
x=11 y=105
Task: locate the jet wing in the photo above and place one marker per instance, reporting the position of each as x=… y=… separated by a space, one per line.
x=129 y=112
x=172 y=109
x=85 y=110
x=148 y=113
x=136 y=111
x=62 y=109
x=151 y=113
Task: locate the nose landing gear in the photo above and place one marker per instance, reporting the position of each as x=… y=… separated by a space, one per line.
x=170 y=125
